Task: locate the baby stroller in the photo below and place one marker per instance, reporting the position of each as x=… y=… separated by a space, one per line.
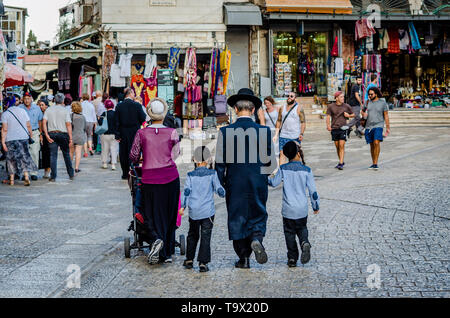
x=141 y=236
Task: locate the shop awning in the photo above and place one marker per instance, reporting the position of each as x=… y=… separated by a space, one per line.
x=74 y=54
x=242 y=14
x=77 y=39
x=14 y=75
x=308 y=6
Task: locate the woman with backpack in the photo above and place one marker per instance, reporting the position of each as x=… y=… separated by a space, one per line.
x=110 y=146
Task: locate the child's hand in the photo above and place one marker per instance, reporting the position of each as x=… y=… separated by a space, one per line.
x=181 y=211
x=316 y=212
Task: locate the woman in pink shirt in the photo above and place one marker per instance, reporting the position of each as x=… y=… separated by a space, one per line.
x=159 y=146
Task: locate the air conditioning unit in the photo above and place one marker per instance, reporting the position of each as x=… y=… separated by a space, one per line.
x=87 y=11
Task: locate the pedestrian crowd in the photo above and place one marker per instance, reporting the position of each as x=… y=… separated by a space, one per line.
x=239 y=173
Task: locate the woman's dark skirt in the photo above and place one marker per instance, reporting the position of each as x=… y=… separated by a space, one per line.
x=18 y=158
x=160 y=214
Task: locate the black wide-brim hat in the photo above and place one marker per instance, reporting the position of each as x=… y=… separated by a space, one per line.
x=245 y=94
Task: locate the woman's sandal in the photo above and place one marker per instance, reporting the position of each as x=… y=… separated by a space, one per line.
x=27 y=182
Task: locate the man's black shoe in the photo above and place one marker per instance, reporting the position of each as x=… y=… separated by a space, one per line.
x=34 y=178
x=292 y=263
x=203 y=268
x=243 y=263
x=306 y=254
x=51 y=180
x=260 y=252
x=188 y=264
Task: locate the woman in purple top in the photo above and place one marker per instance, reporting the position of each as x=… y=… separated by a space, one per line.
x=159 y=146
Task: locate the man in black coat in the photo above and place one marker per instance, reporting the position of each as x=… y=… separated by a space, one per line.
x=129 y=116
x=244 y=159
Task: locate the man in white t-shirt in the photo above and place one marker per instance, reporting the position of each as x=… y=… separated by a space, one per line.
x=91 y=122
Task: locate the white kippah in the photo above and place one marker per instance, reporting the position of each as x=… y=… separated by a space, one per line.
x=157 y=107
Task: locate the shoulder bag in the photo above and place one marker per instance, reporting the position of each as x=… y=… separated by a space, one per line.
x=30 y=140
x=101 y=129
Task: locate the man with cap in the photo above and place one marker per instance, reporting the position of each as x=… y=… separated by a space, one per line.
x=36 y=116
x=338 y=113
x=128 y=118
x=244 y=159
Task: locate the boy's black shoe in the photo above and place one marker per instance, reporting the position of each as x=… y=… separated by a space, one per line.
x=306 y=254
x=188 y=264
x=292 y=263
x=243 y=263
x=203 y=268
x=260 y=252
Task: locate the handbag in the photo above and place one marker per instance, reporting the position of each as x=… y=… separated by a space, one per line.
x=101 y=129
x=30 y=140
x=220 y=103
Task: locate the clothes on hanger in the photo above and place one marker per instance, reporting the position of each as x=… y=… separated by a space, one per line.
x=174 y=57
x=415 y=43
x=138 y=86
x=394 y=43
x=150 y=65
x=363 y=29
x=403 y=39
x=116 y=79
x=125 y=64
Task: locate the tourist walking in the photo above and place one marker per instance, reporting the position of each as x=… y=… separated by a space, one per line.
x=198 y=195
x=296 y=178
x=45 y=150
x=355 y=101
x=373 y=83
x=268 y=116
x=35 y=114
x=57 y=127
x=78 y=133
x=291 y=124
x=109 y=144
x=337 y=115
x=160 y=147
x=99 y=110
x=16 y=134
x=128 y=116
x=243 y=174
x=376 y=115
x=91 y=122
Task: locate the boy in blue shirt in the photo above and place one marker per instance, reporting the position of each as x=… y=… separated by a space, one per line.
x=296 y=177
x=198 y=195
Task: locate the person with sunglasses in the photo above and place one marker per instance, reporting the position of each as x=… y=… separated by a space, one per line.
x=376 y=115
x=338 y=113
x=291 y=124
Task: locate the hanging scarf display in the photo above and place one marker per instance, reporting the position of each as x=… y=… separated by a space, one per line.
x=138 y=85
x=215 y=55
x=414 y=38
x=394 y=42
x=225 y=66
x=174 y=56
x=109 y=57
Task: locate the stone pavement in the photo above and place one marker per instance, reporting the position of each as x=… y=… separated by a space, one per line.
x=396 y=218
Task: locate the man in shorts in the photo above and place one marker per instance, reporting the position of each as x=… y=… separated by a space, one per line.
x=338 y=113
x=376 y=114
x=355 y=101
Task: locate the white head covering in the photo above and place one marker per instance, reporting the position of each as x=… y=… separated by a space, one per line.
x=157 y=109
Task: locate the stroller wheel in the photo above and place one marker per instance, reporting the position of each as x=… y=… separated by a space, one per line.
x=126 y=245
x=182 y=245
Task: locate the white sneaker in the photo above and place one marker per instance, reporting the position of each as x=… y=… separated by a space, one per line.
x=168 y=261
x=113 y=167
x=105 y=166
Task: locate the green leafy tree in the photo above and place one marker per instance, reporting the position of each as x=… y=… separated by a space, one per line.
x=64 y=30
x=31 y=38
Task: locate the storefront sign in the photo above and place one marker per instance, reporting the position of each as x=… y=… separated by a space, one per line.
x=168 y=3
x=166 y=87
x=283 y=59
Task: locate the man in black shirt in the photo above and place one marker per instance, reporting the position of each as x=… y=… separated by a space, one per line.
x=128 y=118
x=355 y=102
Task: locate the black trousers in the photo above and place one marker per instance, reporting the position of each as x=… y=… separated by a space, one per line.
x=200 y=230
x=160 y=214
x=243 y=247
x=126 y=142
x=293 y=228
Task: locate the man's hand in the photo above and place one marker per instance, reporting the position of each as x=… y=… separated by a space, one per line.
x=181 y=211
x=329 y=128
x=316 y=212
x=5 y=148
x=300 y=137
x=346 y=115
x=388 y=131
x=70 y=142
x=118 y=140
x=50 y=140
x=41 y=139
